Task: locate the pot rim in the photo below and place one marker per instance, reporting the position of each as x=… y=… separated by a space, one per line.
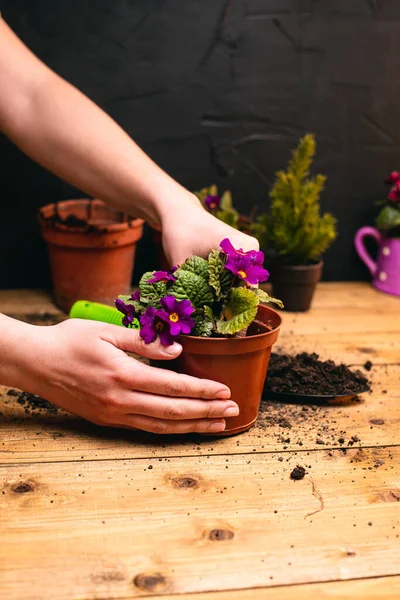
x=47 y=223
x=301 y=267
x=239 y=339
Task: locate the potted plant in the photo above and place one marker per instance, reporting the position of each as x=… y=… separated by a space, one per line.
x=91 y=249
x=215 y=309
x=220 y=207
x=386 y=270
x=294 y=232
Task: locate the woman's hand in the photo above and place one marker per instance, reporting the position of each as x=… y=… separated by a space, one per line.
x=191 y=230
x=82 y=367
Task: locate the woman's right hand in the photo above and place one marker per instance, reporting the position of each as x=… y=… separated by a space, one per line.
x=82 y=367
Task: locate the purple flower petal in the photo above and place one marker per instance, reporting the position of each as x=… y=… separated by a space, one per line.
x=136 y=295
x=175 y=328
x=393 y=177
x=165 y=337
x=169 y=303
x=212 y=202
x=148 y=334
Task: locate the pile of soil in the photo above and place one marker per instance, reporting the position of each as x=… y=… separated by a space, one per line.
x=306 y=374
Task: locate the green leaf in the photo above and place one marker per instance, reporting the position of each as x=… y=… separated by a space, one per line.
x=226 y=201
x=205 y=322
x=136 y=303
x=191 y=287
x=266 y=298
x=196 y=265
x=215 y=267
x=240 y=311
x=151 y=292
x=388 y=218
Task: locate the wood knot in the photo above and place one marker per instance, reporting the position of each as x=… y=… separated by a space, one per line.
x=220 y=535
x=185 y=482
x=150 y=582
x=23 y=488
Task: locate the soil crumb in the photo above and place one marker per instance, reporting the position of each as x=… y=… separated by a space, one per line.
x=368 y=365
x=305 y=374
x=298 y=473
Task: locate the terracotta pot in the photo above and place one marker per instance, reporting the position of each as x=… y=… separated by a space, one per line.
x=91 y=249
x=385 y=271
x=239 y=363
x=295 y=284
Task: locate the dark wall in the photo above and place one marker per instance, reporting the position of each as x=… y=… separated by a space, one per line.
x=219 y=91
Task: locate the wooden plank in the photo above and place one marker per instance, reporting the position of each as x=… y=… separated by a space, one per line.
x=43 y=436
x=378 y=588
x=125 y=529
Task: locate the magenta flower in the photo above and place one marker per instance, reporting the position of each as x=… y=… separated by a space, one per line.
x=168 y=322
x=163 y=276
x=177 y=314
x=128 y=310
x=212 y=203
x=136 y=295
x=152 y=325
x=393 y=177
x=257 y=257
x=248 y=270
x=394 y=193
x=245 y=265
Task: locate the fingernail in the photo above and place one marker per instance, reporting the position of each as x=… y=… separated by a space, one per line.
x=224 y=394
x=172 y=350
x=233 y=411
x=217 y=426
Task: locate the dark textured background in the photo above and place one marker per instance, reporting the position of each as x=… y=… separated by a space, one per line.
x=219 y=91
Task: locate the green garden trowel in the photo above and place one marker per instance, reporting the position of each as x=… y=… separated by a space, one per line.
x=93 y=311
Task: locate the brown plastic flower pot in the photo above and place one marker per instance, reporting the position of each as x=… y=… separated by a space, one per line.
x=240 y=363
x=295 y=285
x=91 y=250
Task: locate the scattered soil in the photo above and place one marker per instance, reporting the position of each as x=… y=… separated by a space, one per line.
x=306 y=374
x=298 y=473
x=368 y=365
x=32 y=403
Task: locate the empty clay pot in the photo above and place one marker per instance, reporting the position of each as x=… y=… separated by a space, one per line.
x=91 y=250
x=239 y=363
x=295 y=285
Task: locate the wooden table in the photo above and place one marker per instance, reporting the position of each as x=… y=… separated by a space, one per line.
x=92 y=513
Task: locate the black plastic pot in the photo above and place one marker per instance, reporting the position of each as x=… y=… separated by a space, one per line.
x=295 y=285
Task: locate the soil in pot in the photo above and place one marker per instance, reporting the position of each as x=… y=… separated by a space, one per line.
x=295 y=284
x=91 y=250
x=239 y=363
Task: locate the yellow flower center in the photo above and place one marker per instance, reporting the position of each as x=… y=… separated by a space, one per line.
x=174 y=317
x=213 y=205
x=242 y=274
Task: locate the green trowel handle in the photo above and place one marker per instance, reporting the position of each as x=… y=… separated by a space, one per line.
x=83 y=309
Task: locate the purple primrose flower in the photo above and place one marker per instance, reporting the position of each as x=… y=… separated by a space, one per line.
x=163 y=276
x=245 y=265
x=128 y=310
x=168 y=322
x=212 y=203
x=136 y=295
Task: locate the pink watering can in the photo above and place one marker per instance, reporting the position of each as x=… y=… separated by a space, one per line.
x=386 y=270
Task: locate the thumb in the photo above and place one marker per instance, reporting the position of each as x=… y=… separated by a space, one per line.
x=129 y=340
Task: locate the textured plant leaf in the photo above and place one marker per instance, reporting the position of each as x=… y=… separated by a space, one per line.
x=239 y=311
x=266 y=298
x=205 y=322
x=128 y=300
x=215 y=268
x=191 y=287
x=151 y=292
x=226 y=201
x=196 y=265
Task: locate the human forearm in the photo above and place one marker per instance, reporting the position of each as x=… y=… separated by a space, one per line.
x=64 y=131
x=18 y=343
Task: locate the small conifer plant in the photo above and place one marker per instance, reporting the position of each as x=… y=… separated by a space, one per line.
x=294 y=231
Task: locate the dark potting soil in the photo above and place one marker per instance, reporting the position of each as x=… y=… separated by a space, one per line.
x=298 y=473
x=305 y=374
x=32 y=403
